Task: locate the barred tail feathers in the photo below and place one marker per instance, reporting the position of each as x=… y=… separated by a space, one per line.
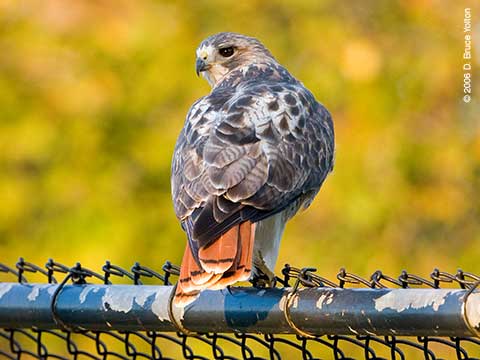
x=224 y=262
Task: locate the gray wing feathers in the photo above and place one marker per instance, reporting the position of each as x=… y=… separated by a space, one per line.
x=252 y=182
x=261 y=148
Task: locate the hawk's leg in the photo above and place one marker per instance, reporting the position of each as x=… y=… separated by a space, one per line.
x=268 y=234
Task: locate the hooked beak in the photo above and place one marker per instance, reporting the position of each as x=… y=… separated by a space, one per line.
x=200 y=65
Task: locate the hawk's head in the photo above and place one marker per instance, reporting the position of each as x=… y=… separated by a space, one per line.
x=221 y=53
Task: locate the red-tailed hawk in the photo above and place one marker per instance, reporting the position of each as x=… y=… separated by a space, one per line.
x=251 y=154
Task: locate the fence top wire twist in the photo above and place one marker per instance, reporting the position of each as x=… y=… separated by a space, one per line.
x=36 y=343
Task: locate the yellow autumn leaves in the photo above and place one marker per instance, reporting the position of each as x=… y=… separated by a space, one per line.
x=93 y=95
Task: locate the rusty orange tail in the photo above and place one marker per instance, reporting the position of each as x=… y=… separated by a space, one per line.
x=225 y=261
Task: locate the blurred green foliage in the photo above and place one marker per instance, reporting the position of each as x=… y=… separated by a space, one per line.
x=94 y=93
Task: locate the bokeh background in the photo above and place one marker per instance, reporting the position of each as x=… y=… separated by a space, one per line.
x=94 y=93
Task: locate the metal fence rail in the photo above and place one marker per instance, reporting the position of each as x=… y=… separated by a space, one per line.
x=83 y=315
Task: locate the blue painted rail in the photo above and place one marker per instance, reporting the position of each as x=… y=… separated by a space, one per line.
x=306 y=311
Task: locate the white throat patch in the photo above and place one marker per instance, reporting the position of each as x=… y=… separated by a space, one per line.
x=215 y=74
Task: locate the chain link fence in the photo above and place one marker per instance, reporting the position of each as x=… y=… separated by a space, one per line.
x=63 y=341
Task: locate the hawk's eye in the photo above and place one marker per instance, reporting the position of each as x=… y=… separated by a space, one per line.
x=226 y=51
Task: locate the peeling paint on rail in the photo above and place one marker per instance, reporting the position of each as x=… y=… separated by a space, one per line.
x=401 y=300
x=324 y=299
x=34 y=293
x=5 y=288
x=160 y=304
x=121 y=298
x=86 y=291
x=37 y=290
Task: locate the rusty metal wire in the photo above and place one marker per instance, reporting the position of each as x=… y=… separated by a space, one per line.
x=34 y=343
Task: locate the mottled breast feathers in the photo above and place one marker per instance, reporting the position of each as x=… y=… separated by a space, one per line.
x=247 y=151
